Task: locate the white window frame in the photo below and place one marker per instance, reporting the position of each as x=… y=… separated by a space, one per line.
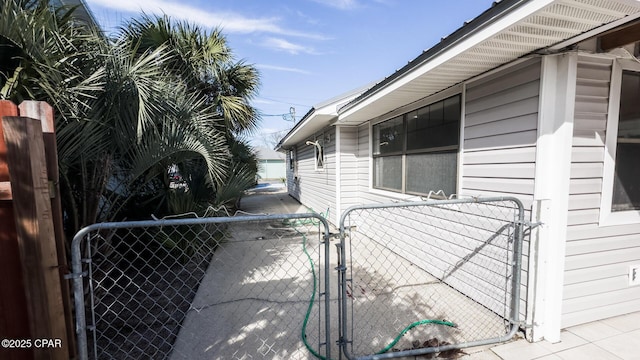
x=608 y=217
x=402 y=193
x=292 y=160
x=319 y=163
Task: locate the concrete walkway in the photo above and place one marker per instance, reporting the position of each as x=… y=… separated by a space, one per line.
x=269 y=199
x=256 y=292
x=615 y=339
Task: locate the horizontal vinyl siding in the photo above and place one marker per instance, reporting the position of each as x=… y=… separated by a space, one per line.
x=501 y=117
x=316 y=189
x=466 y=246
x=348 y=167
x=500 y=135
x=597 y=258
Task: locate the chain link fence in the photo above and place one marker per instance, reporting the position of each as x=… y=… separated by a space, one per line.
x=216 y=288
x=419 y=278
x=430 y=277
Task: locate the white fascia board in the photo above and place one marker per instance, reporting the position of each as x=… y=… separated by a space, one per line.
x=286 y=140
x=308 y=128
x=324 y=114
x=507 y=21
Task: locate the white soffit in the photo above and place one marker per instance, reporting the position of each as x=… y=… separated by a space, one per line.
x=313 y=124
x=534 y=26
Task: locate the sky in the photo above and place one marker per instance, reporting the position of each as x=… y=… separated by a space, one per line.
x=308 y=51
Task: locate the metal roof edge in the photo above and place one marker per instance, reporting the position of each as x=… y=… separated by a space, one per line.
x=295 y=128
x=495 y=12
x=338 y=101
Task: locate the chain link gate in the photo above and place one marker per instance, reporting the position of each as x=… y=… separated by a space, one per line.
x=422 y=278
x=412 y=278
x=226 y=288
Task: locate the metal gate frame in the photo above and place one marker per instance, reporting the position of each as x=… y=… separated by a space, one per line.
x=78 y=274
x=341 y=271
x=514 y=319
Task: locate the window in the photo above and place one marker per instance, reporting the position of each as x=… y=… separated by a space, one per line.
x=417 y=152
x=620 y=202
x=319 y=154
x=626 y=175
x=292 y=159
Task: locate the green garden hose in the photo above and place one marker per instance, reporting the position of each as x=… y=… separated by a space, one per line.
x=310 y=307
x=417 y=323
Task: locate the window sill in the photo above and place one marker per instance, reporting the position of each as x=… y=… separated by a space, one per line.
x=395 y=195
x=608 y=218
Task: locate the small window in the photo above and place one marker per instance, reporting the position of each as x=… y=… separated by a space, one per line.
x=292 y=159
x=319 y=154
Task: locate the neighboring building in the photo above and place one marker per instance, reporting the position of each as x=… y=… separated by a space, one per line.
x=271 y=164
x=536 y=99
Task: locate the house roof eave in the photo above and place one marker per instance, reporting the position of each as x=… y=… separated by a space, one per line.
x=506 y=32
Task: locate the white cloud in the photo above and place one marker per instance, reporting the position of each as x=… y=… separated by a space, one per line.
x=287 y=46
x=229 y=21
x=340 y=4
x=282 y=68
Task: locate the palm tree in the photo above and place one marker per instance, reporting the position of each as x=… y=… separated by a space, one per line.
x=205 y=64
x=122 y=119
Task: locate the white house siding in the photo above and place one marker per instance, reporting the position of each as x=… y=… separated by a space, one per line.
x=500 y=135
x=348 y=181
x=499 y=159
x=597 y=258
x=501 y=117
x=316 y=189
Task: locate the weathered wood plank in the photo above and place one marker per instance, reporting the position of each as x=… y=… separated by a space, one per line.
x=5 y=190
x=44 y=112
x=14 y=315
x=27 y=165
x=626 y=35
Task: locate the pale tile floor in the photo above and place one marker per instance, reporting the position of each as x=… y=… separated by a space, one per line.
x=617 y=338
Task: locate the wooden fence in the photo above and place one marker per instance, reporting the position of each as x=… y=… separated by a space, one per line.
x=34 y=296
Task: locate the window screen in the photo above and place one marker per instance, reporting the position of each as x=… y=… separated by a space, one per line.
x=417 y=152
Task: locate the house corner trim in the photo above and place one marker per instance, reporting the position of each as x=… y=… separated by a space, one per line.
x=551 y=194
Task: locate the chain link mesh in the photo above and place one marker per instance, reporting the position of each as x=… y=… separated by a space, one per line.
x=234 y=290
x=411 y=276
x=447 y=261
